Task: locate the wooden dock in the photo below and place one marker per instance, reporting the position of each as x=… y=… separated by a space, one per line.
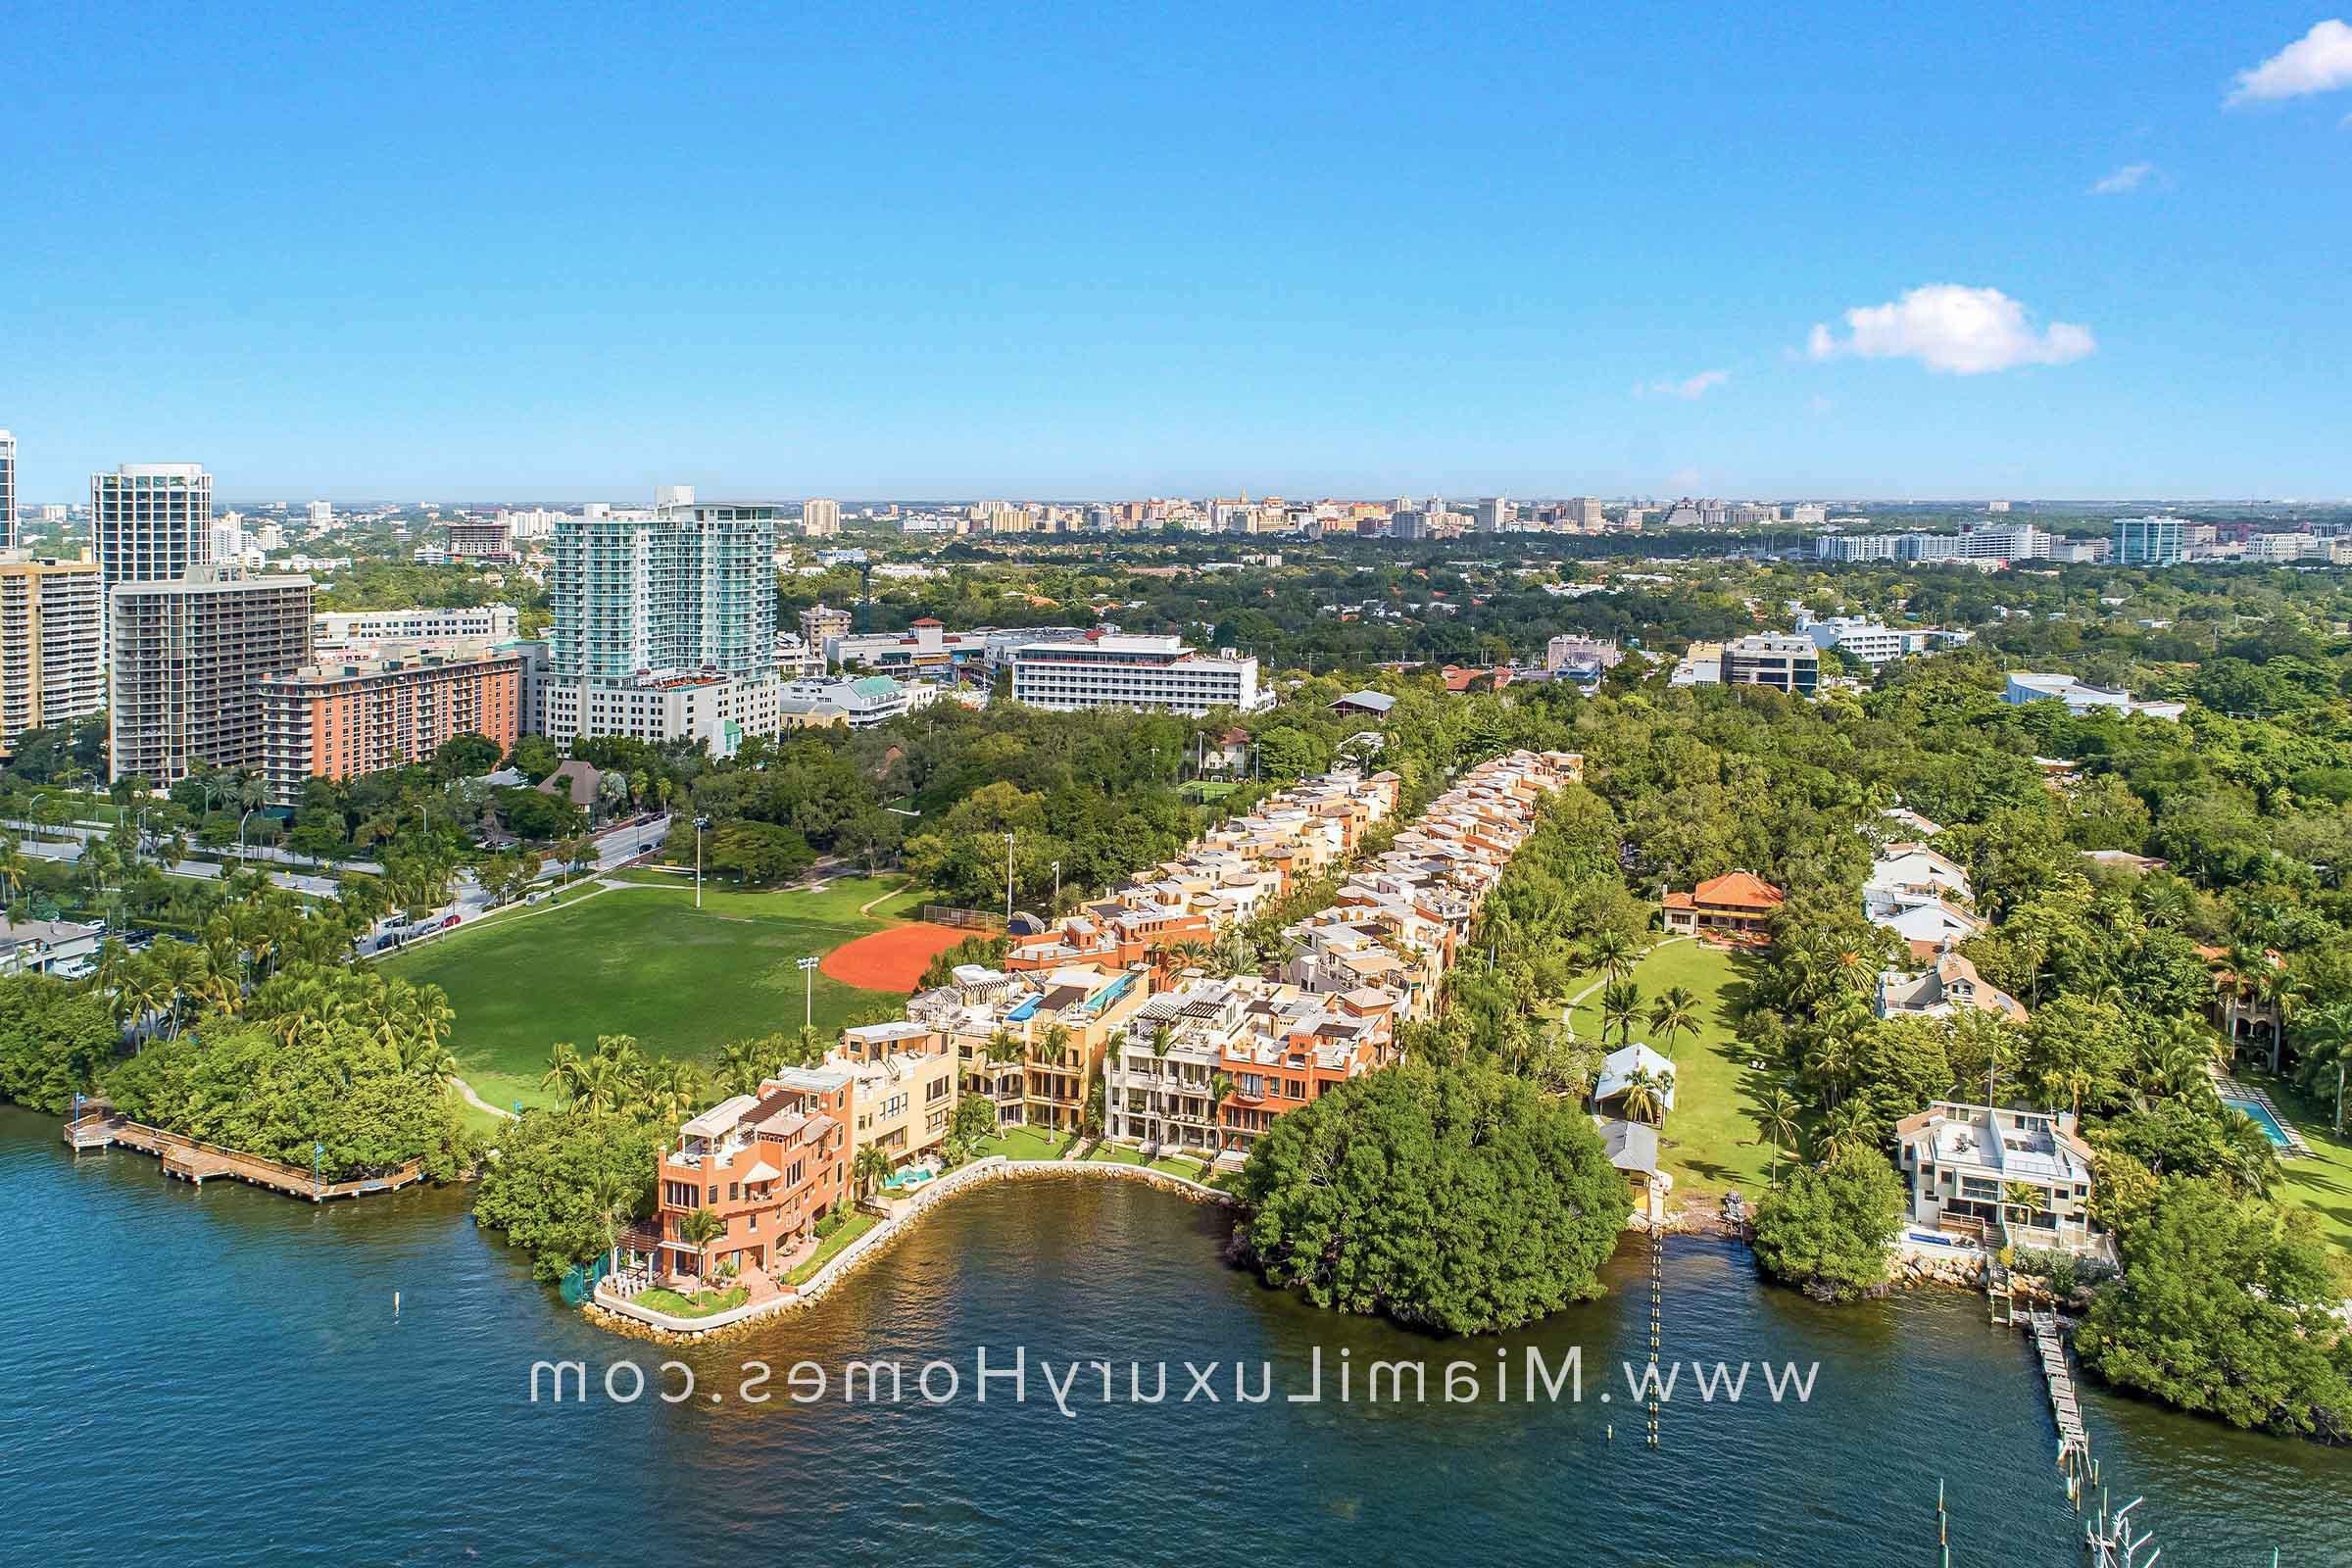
x=2050 y=1345
x=195 y=1162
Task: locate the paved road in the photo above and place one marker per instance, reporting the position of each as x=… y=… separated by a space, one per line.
x=85 y=830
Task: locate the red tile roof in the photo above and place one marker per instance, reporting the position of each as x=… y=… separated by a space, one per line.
x=1739 y=890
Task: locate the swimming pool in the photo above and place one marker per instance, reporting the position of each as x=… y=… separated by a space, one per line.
x=2260 y=1115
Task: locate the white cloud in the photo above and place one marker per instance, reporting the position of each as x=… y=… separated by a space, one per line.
x=1958 y=331
x=2321 y=61
x=2124 y=181
x=1690 y=388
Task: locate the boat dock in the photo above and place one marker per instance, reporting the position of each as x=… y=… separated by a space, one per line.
x=2050 y=1345
x=195 y=1162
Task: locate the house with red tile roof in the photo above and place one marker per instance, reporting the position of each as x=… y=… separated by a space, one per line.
x=1735 y=907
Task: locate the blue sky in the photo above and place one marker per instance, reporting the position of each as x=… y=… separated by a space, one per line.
x=1070 y=251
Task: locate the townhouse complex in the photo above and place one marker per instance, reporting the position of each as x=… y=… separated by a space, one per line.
x=1114 y=996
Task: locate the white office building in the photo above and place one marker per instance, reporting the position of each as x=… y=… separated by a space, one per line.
x=1134 y=673
x=491 y=623
x=1865 y=640
x=2080 y=697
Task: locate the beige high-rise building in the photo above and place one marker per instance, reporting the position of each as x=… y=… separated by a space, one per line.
x=188 y=659
x=820 y=520
x=52 y=644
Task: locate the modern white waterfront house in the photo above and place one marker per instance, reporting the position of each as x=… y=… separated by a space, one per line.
x=1991 y=1174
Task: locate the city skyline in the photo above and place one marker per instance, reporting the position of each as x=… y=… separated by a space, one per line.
x=1052 y=253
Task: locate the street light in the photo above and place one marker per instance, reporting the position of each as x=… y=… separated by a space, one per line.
x=249 y=811
x=807 y=991
x=700 y=823
x=1056 y=887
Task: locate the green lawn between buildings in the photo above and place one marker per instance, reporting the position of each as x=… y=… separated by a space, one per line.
x=2322 y=1183
x=639 y=960
x=856 y=1224
x=1710 y=1142
x=1022 y=1143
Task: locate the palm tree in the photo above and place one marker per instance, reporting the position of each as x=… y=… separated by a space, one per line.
x=1162 y=1038
x=1612 y=952
x=614 y=1197
x=2327 y=1052
x=1643 y=1098
x=699 y=1230
x=180 y=974
x=1191 y=953
x=2024 y=1201
x=1620 y=1010
x=869 y=1170
x=564 y=1070
x=673 y=1087
x=1055 y=1047
x=1846 y=1129
x=14 y=867
x=1220 y=1090
x=2251 y=1159
x=743 y=1065
x=1775 y=1118
x=1675 y=1014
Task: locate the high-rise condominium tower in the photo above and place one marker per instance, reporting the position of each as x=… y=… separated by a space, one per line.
x=187 y=661
x=663 y=627
x=51 y=613
x=153 y=521
x=8 y=491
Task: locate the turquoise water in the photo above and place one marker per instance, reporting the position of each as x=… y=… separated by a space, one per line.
x=219 y=1377
x=2255 y=1113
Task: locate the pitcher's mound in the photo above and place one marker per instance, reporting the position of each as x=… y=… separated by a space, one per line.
x=892 y=959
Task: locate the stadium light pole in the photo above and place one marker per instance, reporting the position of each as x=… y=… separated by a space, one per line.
x=1008 y=882
x=700 y=823
x=809 y=992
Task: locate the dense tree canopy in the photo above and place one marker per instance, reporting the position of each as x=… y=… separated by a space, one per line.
x=1460 y=1199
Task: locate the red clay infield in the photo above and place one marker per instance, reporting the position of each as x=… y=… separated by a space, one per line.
x=892 y=959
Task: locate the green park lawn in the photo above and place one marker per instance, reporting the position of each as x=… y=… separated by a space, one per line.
x=2323 y=1183
x=639 y=961
x=1709 y=1142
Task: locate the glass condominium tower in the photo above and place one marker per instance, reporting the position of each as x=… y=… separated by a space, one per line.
x=689 y=590
x=153 y=521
